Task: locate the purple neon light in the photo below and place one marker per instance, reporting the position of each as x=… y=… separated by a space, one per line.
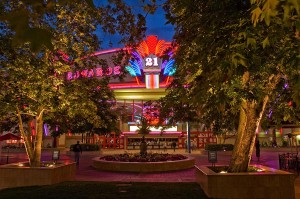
x=46 y=130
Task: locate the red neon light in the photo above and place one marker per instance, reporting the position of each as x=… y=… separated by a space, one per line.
x=134 y=85
x=32 y=126
x=137 y=80
x=168 y=79
x=151 y=43
x=153 y=46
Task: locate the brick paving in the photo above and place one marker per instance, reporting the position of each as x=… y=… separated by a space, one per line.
x=85 y=172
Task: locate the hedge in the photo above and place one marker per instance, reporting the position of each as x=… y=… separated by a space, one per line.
x=219 y=147
x=87 y=147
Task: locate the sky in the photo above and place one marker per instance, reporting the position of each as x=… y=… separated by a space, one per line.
x=156 y=25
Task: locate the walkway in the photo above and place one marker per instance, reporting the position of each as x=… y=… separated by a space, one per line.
x=85 y=172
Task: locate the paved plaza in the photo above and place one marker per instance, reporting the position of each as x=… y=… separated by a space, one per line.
x=85 y=172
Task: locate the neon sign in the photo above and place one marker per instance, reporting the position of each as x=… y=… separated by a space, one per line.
x=151 y=65
x=95 y=72
x=148 y=61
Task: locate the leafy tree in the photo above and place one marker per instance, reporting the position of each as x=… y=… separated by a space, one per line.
x=228 y=67
x=285 y=107
x=40 y=42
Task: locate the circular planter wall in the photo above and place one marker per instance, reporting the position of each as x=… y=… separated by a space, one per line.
x=143 y=167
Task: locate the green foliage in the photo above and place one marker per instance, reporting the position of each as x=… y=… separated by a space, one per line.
x=143 y=126
x=43 y=40
x=285 y=143
x=219 y=147
x=230 y=70
x=222 y=60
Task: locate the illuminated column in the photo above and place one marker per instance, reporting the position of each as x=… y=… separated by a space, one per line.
x=152 y=68
x=152 y=81
x=188 y=133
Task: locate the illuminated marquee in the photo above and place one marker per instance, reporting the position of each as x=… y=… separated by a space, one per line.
x=151 y=65
x=148 y=62
x=95 y=72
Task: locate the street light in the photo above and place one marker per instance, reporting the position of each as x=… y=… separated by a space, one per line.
x=188 y=130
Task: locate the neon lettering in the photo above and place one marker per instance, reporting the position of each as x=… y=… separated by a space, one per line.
x=109 y=71
x=117 y=70
x=99 y=72
x=69 y=75
x=151 y=61
x=76 y=75
x=91 y=73
x=84 y=73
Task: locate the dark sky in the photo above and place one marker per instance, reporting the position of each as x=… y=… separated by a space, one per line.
x=156 y=25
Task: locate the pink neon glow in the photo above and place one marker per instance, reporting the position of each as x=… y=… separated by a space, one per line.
x=167 y=132
x=108 y=51
x=96 y=72
x=153 y=133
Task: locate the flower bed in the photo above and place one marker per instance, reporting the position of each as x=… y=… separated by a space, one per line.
x=152 y=157
x=151 y=163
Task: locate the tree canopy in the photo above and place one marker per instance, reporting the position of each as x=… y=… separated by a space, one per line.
x=43 y=40
x=229 y=69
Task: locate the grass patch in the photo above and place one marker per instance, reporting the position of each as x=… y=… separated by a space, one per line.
x=107 y=190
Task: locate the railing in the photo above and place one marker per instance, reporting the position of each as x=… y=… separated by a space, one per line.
x=289 y=161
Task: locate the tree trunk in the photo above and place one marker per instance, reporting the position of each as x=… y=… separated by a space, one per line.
x=244 y=142
x=274 y=141
x=27 y=141
x=38 y=140
x=33 y=150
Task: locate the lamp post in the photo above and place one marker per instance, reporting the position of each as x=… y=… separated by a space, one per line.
x=188 y=130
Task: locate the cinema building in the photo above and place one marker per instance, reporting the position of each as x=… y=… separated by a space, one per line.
x=149 y=72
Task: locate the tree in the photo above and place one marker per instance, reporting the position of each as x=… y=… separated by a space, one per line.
x=227 y=64
x=43 y=40
x=285 y=107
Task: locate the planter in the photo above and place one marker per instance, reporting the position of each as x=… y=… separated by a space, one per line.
x=270 y=183
x=143 y=167
x=16 y=175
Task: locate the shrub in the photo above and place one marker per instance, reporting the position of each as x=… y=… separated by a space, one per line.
x=150 y=157
x=285 y=143
x=87 y=147
x=219 y=147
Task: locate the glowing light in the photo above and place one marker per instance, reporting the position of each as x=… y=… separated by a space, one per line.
x=169 y=68
x=151 y=49
x=46 y=130
x=152 y=81
x=223 y=171
x=32 y=126
x=151 y=43
x=154 y=130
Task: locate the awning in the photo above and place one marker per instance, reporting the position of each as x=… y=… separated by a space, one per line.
x=9 y=136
